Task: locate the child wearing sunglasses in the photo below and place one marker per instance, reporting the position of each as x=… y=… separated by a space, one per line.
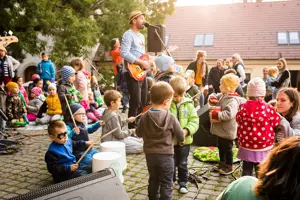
x=61 y=162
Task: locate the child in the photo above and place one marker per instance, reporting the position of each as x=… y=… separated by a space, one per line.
x=192 y=89
x=19 y=81
x=226 y=128
x=165 y=66
x=61 y=162
x=32 y=84
x=185 y=111
x=158 y=128
x=93 y=114
x=113 y=119
x=96 y=91
x=54 y=111
x=67 y=89
x=46 y=71
x=81 y=131
x=34 y=104
x=256 y=122
x=15 y=108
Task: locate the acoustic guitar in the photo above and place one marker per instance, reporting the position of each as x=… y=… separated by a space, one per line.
x=6 y=40
x=136 y=71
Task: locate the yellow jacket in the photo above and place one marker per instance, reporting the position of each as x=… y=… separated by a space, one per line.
x=54 y=106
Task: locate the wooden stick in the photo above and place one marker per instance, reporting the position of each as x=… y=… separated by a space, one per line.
x=87 y=150
x=70 y=111
x=195 y=95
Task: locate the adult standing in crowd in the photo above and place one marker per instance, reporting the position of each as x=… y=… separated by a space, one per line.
x=215 y=75
x=132 y=48
x=283 y=77
x=278 y=176
x=46 y=71
x=288 y=106
x=7 y=66
x=238 y=66
x=200 y=67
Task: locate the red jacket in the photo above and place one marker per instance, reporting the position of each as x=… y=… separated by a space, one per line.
x=256 y=122
x=116 y=56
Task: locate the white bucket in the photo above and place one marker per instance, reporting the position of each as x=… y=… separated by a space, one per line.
x=115 y=146
x=112 y=160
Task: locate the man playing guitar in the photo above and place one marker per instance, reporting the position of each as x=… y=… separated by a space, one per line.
x=132 y=48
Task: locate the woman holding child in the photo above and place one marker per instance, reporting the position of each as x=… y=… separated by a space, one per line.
x=283 y=77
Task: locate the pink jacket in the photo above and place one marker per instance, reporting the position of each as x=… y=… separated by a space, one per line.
x=81 y=83
x=23 y=91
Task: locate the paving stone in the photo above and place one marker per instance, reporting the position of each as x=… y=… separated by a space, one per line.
x=33 y=180
x=206 y=191
x=23 y=185
x=8 y=196
x=11 y=183
x=11 y=189
x=203 y=196
x=22 y=191
x=3 y=186
x=33 y=187
x=140 y=197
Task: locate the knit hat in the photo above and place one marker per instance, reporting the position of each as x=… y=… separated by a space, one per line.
x=256 y=87
x=3 y=48
x=134 y=14
x=75 y=107
x=35 y=76
x=230 y=82
x=52 y=85
x=66 y=72
x=164 y=62
x=37 y=91
x=11 y=85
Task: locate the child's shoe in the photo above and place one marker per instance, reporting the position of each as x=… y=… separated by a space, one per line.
x=227 y=169
x=183 y=190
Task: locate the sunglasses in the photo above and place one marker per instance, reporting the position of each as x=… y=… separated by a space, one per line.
x=62 y=135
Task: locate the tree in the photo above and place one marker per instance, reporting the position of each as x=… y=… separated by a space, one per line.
x=74 y=26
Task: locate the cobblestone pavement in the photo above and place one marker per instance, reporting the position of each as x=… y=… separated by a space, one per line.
x=26 y=170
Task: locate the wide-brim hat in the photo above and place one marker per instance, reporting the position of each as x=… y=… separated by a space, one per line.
x=134 y=14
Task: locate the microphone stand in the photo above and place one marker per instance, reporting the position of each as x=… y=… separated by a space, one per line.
x=163 y=43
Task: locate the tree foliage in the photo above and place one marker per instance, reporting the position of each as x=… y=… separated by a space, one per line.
x=74 y=26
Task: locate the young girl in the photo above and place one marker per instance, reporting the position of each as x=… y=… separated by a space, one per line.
x=283 y=78
x=192 y=89
x=256 y=122
x=19 y=81
x=32 y=84
x=54 y=111
x=223 y=121
x=93 y=114
x=81 y=81
x=34 y=104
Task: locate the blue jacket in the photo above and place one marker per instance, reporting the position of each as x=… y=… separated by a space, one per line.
x=60 y=157
x=46 y=70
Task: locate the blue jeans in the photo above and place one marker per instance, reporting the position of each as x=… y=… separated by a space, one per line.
x=161 y=170
x=181 y=154
x=81 y=171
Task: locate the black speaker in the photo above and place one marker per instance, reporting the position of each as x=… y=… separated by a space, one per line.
x=154 y=43
x=203 y=137
x=104 y=185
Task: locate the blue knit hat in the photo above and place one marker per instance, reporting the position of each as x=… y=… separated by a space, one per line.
x=66 y=72
x=75 y=107
x=164 y=62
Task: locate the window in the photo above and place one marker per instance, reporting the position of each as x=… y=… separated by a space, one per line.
x=288 y=38
x=204 y=40
x=166 y=40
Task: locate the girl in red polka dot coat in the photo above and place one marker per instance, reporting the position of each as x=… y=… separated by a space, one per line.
x=256 y=123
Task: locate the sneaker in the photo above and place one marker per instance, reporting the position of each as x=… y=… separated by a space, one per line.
x=226 y=170
x=183 y=190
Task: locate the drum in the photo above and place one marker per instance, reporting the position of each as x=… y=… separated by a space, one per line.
x=115 y=146
x=112 y=160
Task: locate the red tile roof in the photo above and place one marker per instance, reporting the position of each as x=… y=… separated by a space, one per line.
x=249 y=29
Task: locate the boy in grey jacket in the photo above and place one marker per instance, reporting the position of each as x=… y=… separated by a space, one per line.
x=113 y=119
x=158 y=128
x=226 y=127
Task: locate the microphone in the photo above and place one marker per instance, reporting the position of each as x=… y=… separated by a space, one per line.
x=148 y=25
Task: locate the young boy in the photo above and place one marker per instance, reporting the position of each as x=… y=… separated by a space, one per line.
x=46 y=71
x=224 y=125
x=158 y=128
x=15 y=108
x=113 y=119
x=61 y=162
x=185 y=111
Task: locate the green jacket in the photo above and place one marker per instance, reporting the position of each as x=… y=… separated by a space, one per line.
x=187 y=117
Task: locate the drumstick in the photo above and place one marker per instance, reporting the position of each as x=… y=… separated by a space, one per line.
x=195 y=95
x=70 y=111
x=87 y=150
x=144 y=110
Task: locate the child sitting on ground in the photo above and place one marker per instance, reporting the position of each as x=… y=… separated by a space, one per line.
x=192 y=89
x=256 y=123
x=113 y=119
x=19 y=81
x=34 y=104
x=158 y=128
x=223 y=121
x=67 y=89
x=54 y=111
x=61 y=162
x=96 y=91
x=15 y=108
x=81 y=131
x=185 y=111
x=32 y=84
x=92 y=113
